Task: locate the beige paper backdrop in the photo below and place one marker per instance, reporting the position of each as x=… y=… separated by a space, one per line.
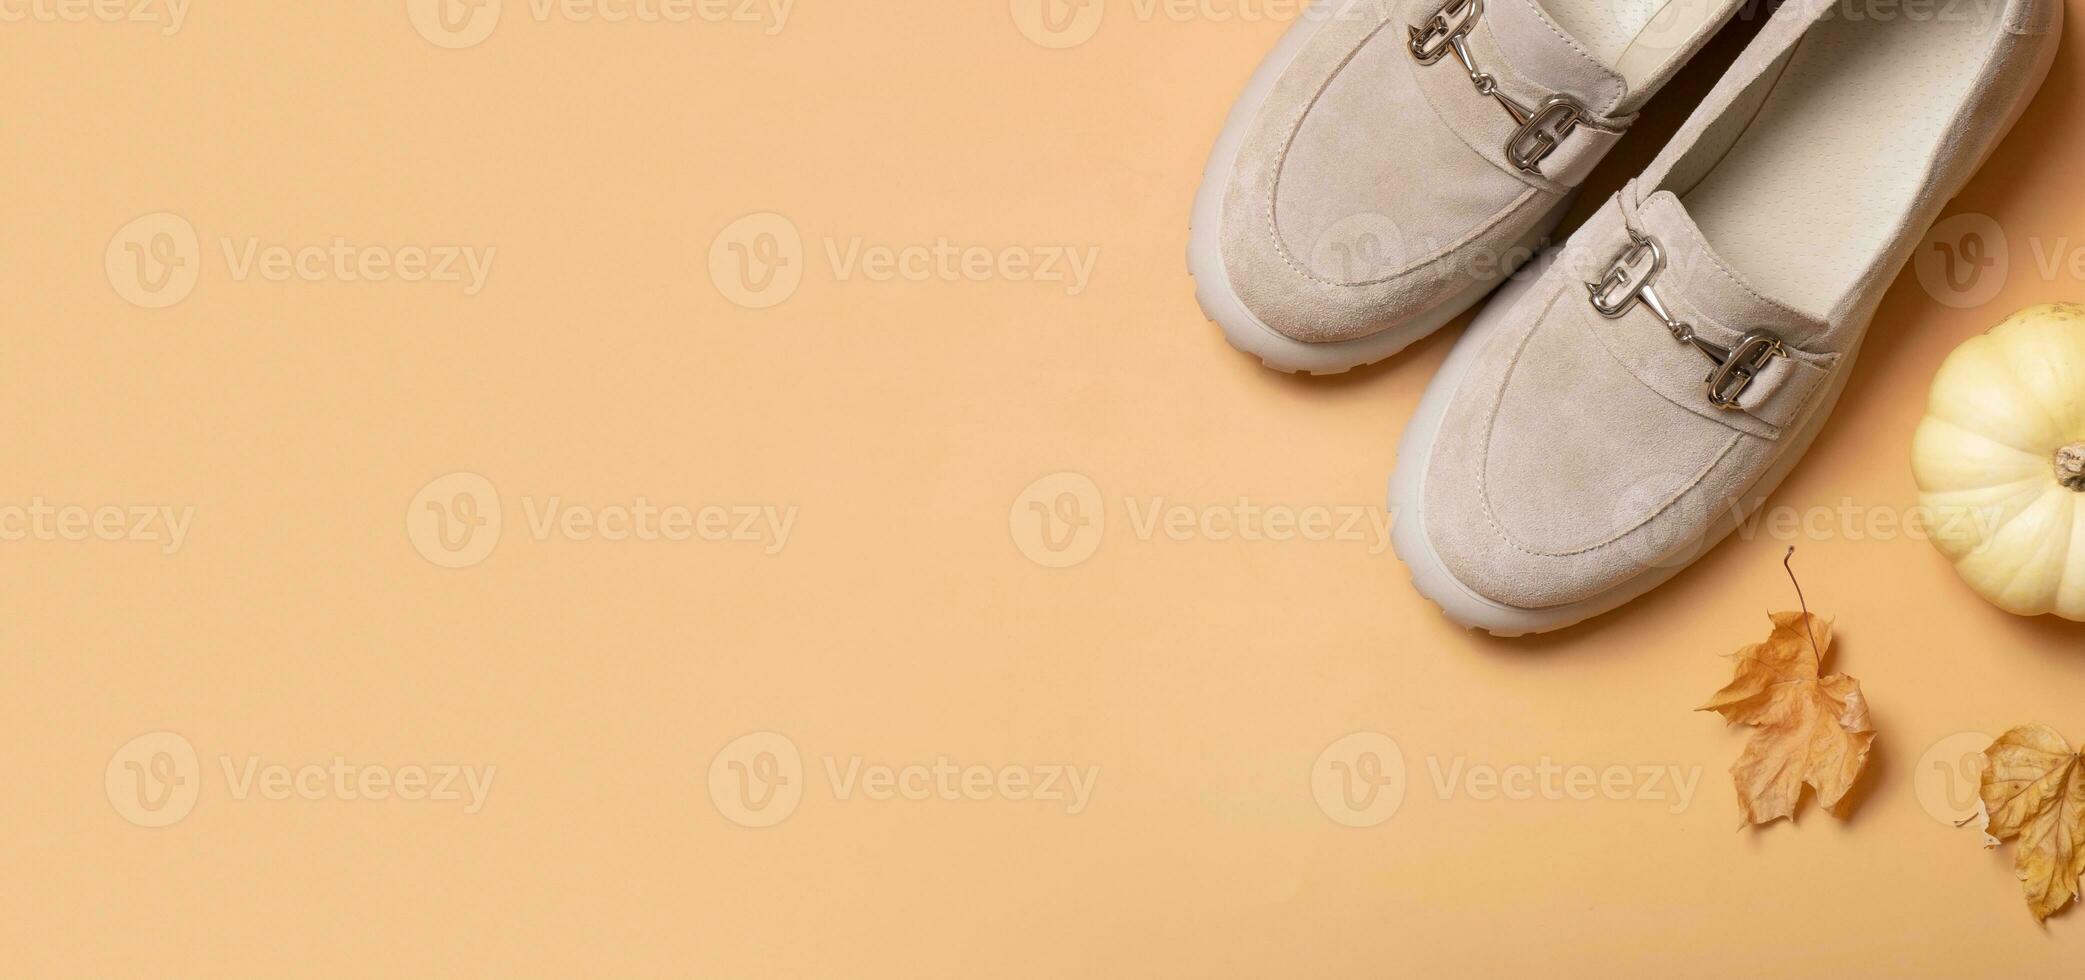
x=744 y=490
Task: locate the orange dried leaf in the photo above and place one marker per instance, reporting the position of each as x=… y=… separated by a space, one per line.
x=1811 y=729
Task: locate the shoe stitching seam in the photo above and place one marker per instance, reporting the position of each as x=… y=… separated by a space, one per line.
x=1572 y=42
x=1484 y=458
x=1295 y=128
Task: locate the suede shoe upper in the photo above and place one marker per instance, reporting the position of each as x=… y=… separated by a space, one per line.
x=1374 y=186
x=1639 y=398
x=1584 y=448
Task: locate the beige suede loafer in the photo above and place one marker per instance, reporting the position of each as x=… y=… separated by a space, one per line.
x=1394 y=160
x=1600 y=427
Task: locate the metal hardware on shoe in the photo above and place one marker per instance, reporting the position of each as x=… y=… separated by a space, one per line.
x=1445 y=31
x=1631 y=280
x=1541 y=129
x=1740 y=365
x=1628 y=279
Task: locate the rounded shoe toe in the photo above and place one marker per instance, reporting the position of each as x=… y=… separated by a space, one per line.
x=1363 y=211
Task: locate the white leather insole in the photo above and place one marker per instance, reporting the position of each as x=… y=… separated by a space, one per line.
x=1634 y=37
x=1812 y=192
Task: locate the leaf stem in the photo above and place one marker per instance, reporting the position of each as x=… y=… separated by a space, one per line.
x=1788 y=563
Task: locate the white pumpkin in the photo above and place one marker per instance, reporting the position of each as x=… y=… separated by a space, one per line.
x=2000 y=462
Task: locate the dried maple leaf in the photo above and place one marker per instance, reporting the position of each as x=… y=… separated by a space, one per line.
x=1811 y=729
x=2033 y=788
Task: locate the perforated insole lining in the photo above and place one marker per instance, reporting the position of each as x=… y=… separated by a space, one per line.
x=1810 y=194
x=1634 y=37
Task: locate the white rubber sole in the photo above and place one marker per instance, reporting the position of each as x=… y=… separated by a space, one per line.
x=1220 y=302
x=1473 y=610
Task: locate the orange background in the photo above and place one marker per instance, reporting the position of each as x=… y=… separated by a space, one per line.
x=902 y=621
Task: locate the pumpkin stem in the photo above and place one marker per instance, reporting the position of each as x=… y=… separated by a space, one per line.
x=2070 y=466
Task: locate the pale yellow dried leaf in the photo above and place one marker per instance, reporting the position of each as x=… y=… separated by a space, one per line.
x=2033 y=789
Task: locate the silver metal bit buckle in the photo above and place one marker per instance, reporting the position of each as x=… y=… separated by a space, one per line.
x=1628 y=279
x=1445 y=30
x=1740 y=365
x=1631 y=280
x=1541 y=129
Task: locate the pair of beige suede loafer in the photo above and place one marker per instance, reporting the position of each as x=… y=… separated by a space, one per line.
x=1624 y=403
